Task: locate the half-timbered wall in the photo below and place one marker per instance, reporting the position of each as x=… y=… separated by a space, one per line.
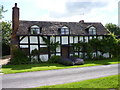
x=36 y=42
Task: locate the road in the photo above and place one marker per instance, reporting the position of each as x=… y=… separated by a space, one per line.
x=52 y=77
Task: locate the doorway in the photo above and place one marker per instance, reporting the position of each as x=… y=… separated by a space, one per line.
x=65 y=51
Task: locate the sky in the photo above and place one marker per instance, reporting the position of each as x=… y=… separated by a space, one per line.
x=104 y=11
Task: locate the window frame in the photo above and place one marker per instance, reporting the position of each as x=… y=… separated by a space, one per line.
x=92 y=30
x=64 y=30
x=35 y=29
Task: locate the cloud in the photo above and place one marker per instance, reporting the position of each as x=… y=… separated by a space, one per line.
x=77 y=8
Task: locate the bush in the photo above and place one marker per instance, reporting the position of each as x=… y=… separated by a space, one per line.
x=66 y=61
x=54 y=59
x=99 y=57
x=19 y=57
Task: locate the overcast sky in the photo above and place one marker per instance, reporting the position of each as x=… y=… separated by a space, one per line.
x=104 y=11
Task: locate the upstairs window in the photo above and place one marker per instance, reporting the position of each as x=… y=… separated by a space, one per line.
x=92 y=30
x=35 y=29
x=64 y=30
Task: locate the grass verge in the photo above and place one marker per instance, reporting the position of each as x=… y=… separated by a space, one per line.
x=103 y=82
x=7 y=69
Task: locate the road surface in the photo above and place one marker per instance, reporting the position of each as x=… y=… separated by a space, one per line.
x=52 y=77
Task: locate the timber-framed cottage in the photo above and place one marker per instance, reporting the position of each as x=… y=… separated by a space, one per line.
x=27 y=35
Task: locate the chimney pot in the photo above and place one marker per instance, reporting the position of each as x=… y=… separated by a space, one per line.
x=15 y=4
x=81 y=21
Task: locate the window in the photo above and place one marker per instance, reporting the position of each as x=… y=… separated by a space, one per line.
x=35 y=29
x=64 y=30
x=92 y=30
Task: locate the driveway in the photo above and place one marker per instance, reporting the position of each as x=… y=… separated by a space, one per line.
x=52 y=77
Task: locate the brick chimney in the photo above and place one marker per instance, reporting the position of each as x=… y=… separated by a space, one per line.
x=81 y=21
x=15 y=24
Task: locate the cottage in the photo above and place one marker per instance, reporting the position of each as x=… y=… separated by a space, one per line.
x=28 y=35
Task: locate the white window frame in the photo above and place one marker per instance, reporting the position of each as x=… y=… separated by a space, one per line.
x=35 y=29
x=64 y=30
x=92 y=30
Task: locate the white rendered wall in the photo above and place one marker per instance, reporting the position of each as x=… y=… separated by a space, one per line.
x=90 y=37
x=81 y=38
x=100 y=37
x=106 y=55
x=71 y=39
x=32 y=47
x=58 y=39
x=52 y=39
x=86 y=38
x=58 y=49
x=44 y=57
x=33 y=39
x=58 y=54
x=64 y=39
x=23 y=46
x=24 y=40
x=75 y=39
x=41 y=40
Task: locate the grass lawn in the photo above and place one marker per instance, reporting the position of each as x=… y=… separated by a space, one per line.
x=6 y=69
x=103 y=82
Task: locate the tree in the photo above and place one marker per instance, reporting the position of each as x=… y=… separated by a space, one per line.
x=113 y=28
x=113 y=45
x=6 y=32
x=2 y=11
x=6 y=37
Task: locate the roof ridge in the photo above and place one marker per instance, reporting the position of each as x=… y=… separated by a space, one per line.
x=48 y=21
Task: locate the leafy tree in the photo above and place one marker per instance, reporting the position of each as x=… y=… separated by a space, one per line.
x=113 y=45
x=6 y=32
x=6 y=36
x=113 y=28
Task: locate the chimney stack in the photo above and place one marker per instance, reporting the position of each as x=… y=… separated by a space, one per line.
x=15 y=23
x=81 y=21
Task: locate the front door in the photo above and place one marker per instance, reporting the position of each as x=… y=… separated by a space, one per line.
x=65 y=51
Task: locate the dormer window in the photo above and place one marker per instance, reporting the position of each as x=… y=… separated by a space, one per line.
x=35 y=29
x=64 y=30
x=92 y=30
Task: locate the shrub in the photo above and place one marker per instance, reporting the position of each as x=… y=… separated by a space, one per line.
x=66 y=61
x=54 y=59
x=19 y=57
x=99 y=57
x=35 y=53
x=77 y=56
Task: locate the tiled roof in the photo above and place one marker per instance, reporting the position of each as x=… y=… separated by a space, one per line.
x=51 y=28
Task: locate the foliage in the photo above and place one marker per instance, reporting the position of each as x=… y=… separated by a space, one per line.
x=113 y=45
x=108 y=44
x=6 y=35
x=113 y=28
x=19 y=57
x=6 y=32
x=84 y=47
x=51 y=44
x=54 y=59
x=35 y=52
